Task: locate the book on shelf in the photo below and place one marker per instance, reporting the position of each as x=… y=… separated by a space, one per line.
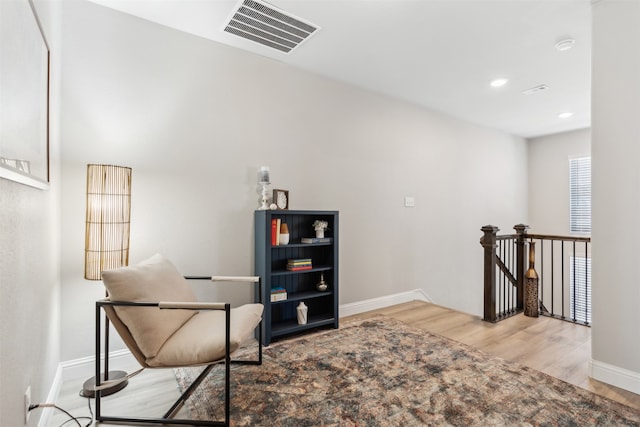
x=274 y=237
x=299 y=261
x=308 y=267
x=299 y=264
x=278 y=297
x=316 y=240
x=278 y=294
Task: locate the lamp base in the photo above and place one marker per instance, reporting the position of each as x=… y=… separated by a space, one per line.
x=88 y=388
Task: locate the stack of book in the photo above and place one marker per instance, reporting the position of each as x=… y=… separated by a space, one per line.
x=278 y=294
x=299 y=264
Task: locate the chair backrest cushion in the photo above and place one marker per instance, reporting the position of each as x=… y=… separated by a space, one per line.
x=153 y=280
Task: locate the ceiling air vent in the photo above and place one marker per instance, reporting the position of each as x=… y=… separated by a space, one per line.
x=265 y=24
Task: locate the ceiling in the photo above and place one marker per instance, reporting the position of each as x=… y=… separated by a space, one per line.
x=440 y=54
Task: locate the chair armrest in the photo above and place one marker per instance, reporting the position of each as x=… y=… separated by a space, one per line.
x=248 y=279
x=192 y=305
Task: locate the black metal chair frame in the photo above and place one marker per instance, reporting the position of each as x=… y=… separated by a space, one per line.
x=167 y=418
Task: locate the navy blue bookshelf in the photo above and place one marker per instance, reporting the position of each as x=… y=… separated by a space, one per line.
x=280 y=317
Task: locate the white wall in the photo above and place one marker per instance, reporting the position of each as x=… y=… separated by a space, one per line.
x=616 y=192
x=195 y=120
x=548 y=185
x=30 y=269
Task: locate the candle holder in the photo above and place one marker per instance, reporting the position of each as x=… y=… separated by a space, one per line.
x=263 y=187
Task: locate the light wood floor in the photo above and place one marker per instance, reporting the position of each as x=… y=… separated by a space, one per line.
x=558 y=348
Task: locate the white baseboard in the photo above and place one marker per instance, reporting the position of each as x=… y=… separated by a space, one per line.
x=85 y=366
x=614 y=375
x=381 y=302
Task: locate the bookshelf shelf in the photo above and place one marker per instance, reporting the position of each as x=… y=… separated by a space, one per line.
x=300 y=296
x=280 y=317
x=299 y=245
x=312 y=270
x=292 y=327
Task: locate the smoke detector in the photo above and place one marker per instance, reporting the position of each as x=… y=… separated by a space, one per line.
x=565 y=44
x=264 y=23
x=536 y=89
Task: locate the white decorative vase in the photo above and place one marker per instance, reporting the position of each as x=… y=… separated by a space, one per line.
x=302 y=313
x=284 y=238
x=319 y=233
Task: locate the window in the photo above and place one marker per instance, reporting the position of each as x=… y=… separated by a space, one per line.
x=580 y=289
x=580 y=195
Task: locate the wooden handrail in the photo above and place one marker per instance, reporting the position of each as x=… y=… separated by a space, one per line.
x=545 y=237
x=556 y=237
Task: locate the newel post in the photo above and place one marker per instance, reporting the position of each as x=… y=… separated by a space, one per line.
x=521 y=266
x=488 y=242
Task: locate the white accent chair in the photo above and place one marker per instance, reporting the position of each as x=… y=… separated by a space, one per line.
x=153 y=308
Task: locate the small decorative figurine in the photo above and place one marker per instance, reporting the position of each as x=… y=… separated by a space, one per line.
x=321 y=285
x=320 y=227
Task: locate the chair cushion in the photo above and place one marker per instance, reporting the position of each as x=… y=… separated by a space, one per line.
x=152 y=280
x=202 y=339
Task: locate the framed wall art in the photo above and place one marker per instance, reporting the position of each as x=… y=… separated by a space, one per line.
x=24 y=95
x=281 y=198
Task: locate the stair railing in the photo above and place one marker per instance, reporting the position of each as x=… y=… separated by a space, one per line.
x=563 y=265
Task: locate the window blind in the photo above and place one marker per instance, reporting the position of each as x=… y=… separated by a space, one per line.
x=580 y=195
x=580 y=279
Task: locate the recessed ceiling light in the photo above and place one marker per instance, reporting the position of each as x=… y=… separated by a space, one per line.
x=565 y=44
x=498 y=82
x=565 y=115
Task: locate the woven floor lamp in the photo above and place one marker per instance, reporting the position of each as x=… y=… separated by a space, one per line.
x=106 y=240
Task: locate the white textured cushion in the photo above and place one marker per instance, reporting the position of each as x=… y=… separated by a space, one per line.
x=202 y=339
x=152 y=280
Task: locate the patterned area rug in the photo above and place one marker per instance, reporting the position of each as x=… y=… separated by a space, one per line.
x=382 y=372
